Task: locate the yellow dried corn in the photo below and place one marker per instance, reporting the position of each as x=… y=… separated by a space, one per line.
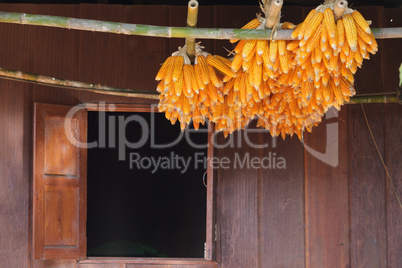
x=273 y=51
x=341 y=34
x=361 y=21
x=215 y=79
x=201 y=60
x=305 y=24
x=350 y=31
x=248 y=48
x=162 y=71
x=177 y=68
x=169 y=72
x=179 y=85
x=219 y=65
x=198 y=75
x=313 y=42
x=312 y=27
x=363 y=35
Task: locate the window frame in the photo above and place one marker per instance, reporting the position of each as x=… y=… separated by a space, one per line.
x=209 y=248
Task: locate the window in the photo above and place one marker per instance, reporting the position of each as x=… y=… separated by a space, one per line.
x=151 y=202
x=60 y=185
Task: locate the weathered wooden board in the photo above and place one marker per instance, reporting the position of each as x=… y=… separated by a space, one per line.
x=327 y=193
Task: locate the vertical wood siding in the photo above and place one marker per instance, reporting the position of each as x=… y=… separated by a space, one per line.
x=308 y=215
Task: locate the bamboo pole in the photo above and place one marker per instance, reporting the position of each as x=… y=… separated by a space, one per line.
x=374 y=99
x=96 y=88
x=192 y=16
x=82 y=86
x=162 y=31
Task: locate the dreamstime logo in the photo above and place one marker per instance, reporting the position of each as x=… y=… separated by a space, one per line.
x=107 y=128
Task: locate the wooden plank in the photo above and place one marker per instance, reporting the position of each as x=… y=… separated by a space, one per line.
x=237 y=212
x=282 y=198
x=102 y=55
x=15 y=144
x=326 y=195
x=108 y=58
x=143 y=55
x=149 y=261
x=367 y=189
x=55 y=53
x=393 y=145
x=367 y=180
x=211 y=190
x=54 y=264
x=98 y=265
x=393 y=128
x=391 y=57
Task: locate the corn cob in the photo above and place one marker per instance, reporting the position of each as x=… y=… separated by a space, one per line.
x=162 y=71
x=215 y=79
x=361 y=34
x=219 y=65
x=315 y=21
x=341 y=34
x=350 y=31
x=203 y=67
x=360 y=21
x=273 y=51
x=248 y=48
x=177 y=68
x=198 y=75
x=305 y=24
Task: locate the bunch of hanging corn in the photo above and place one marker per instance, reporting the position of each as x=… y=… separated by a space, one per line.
x=287 y=85
x=190 y=91
x=332 y=42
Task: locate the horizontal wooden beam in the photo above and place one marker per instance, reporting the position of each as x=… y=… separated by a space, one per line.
x=82 y=86
x=162 y=31
x=97 y=88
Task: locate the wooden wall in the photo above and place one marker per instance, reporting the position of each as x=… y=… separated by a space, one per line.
x=308 y=215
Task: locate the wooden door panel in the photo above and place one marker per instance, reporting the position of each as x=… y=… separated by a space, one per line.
x=61 y=156
x=59 y=198
x=61 y=216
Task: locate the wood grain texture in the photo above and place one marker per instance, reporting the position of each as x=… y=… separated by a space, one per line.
x=59 y=198
x=373 y=212
x=54 y=264
x=109 y=59
x=55 y=53
x=281 y=192
x=367 y=176
x=367 y=182
x=143 y=55
x=107 y=265
x=15 y=144
x=393 y=148
x=237 y=212
x=326 y=194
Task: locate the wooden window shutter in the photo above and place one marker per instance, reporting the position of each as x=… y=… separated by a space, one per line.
x=59 y=184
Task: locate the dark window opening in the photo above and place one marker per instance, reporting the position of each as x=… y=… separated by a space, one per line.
x=140 y=211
